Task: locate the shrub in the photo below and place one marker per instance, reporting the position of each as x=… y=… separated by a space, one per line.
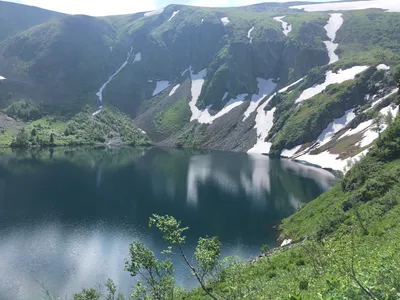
x=25 y=110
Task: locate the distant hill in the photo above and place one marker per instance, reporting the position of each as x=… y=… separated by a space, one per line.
x=16 y=18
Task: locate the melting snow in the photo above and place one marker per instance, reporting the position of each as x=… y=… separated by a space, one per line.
x=334 y=24
x=138 y=57
x=289 y=86
x=286 y=28
x=2 y=78
x=264 y=122
x=291 y=152
x=249 y=34
x=371 y=135
x=383 y=67
x=173 y=15
x=361 y=127
x=286 y=242
x=111 y=48
x=265 y=88
x=99 y=94
x=174 y=90
x=197 y=85
x=225 y=96
x=203 y=116
x=154 y=12
x=380 y=100
x=161 y=86
x=225 y=21
x=335 y=126
x=331 y=78
x=202 y=21
x=390 y=5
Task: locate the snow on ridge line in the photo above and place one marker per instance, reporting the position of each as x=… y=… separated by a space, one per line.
x=389 y=5
x=154 y=12
x=331 y=78
x=249 y=34
x=161 y=86
x=173 y=15
x=334 y=23
x=287 y=28
x=265 y=88
x=225 y=21
x=174 y=89
x=290 y=85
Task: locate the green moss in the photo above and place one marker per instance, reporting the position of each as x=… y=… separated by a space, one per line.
x=173 y=118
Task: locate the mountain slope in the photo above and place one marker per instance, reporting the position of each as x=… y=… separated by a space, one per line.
x=267 y=78
x=16 y=18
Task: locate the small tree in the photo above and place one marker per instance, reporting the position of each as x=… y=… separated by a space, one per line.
x=52 y=139
x=389 y=118
x=207 y=252
x=378 y=124
x=21 y=140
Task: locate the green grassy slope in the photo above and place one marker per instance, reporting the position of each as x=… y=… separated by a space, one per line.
x=349 y=240
x=15 y=18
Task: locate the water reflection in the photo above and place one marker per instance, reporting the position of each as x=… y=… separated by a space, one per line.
x=67 y=218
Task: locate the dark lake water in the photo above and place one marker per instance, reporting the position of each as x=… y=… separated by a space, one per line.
x=67 y=217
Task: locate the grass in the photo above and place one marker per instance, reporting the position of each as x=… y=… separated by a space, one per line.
x=173 y=118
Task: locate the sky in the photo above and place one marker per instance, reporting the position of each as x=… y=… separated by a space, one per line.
x=116 y=7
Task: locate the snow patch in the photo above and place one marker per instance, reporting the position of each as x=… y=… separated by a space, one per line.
x=225 y=96
x=381 y=99
x=286 y=242
x=154 y=12
x=289 y=86
x=360 y=128
x=371 y=135
x=138 y=57
x=202 y=21
x=249 y=35
x=291 y=152
x=173 y=15
x=286 y=27
x=197 y=85
x=389 y=5
x=264 y=122
x=174 y=89
x=334 y=24
x=225 y=21
x=335 y=126
x=331 y=78
x=265 y=88
x=111 y=48
x=2 y=78
x=161 y=86
x=383 y=67
x=99 y=94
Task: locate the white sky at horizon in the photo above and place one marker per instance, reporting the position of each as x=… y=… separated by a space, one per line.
x=116 y=7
